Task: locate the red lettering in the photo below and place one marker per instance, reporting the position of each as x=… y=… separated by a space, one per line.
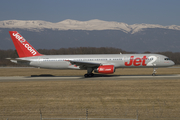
x=131 y=61
x=144 y=60
x=136 y=61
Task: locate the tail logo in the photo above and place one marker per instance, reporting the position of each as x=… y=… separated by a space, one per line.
x=21 y=39
x=24 y=43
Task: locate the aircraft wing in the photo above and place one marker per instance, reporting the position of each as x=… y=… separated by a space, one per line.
x=85 y=64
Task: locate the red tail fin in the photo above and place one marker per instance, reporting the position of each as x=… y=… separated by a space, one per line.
x=24 y=49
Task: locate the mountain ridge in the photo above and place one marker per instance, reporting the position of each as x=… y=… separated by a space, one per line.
x=94 y=24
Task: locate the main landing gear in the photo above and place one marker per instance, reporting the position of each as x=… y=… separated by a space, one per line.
x=89 y=73
x=154 y=72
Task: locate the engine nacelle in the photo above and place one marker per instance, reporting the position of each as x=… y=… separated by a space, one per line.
x=105 y=69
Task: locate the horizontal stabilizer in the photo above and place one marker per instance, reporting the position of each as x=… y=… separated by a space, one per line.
x=16 y=59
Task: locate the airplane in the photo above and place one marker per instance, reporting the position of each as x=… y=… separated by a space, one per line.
x=99 y=63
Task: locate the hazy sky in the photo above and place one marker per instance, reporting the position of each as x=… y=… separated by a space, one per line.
x=163 y=12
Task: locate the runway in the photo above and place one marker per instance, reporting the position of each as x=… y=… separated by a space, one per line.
x=97 y=77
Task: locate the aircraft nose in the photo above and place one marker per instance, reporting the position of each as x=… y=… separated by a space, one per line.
x=172 y=63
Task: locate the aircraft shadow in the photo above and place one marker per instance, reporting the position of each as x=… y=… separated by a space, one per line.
x=97 y=75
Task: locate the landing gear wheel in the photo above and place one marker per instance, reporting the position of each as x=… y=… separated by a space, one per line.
x=154 y=72
x=86 y=75
x=89 y=75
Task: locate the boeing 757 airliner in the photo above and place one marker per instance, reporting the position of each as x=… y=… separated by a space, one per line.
x=99 y=63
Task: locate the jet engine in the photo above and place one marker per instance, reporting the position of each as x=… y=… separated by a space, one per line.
x=105 y=69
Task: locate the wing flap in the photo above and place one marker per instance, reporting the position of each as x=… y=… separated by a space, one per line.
x=85 y=64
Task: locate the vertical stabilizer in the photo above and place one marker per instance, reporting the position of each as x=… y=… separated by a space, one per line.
x=24 y=49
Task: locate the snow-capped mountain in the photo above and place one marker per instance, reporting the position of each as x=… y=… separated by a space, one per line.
x=81 y=25
x=92 y=33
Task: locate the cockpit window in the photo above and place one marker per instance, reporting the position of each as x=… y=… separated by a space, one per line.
x=166 y=59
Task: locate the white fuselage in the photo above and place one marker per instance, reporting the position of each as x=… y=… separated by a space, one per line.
x=118 y=60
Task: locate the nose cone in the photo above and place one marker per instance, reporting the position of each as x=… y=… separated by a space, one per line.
x=171 y=63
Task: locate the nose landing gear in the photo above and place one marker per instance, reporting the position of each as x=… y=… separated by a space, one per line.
x=154 y=72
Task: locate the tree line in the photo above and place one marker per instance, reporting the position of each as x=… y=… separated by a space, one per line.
x=175 y=56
